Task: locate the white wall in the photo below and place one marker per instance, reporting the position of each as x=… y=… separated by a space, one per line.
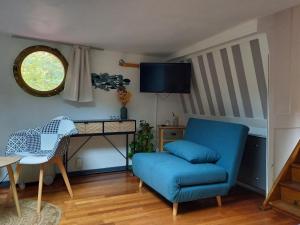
x=283 y=34
x=242 y=36
x=20 y=110
x=234 y=33
x=256 y=122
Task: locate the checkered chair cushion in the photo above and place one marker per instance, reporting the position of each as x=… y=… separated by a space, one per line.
x=42 y=141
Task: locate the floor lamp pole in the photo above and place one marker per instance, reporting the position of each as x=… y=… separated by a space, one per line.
x=155 y=119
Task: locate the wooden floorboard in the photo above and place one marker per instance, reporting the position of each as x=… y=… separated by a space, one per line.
x=115 y=199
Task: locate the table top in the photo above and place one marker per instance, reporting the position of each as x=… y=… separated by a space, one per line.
x=170 y=127
x=5 y=161
x=103 y=120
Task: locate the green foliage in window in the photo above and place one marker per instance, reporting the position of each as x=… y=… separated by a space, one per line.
x=42 y=71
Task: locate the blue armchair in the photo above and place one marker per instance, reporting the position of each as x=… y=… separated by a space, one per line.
x=179 y=180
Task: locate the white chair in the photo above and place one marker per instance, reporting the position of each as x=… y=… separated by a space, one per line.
x=41 y=146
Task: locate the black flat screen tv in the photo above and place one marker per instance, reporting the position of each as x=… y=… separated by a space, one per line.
x=165 y=77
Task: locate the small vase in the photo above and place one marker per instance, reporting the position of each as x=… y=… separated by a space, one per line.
x=175 y=121
x=123 y=113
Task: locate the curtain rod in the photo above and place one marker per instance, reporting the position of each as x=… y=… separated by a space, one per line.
x=56 y=42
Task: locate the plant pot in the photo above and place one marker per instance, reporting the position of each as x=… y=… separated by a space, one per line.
x=123 y=113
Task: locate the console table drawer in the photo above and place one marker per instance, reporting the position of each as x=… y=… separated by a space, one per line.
x=90 y=128
x=80 y=127
x=119 y=126
x=94 y=128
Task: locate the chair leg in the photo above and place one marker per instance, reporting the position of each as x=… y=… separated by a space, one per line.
x=13 y=188
x=40 y=191
x=175 y=208
x=60 y=165
x=219 y=200
x=141 y=184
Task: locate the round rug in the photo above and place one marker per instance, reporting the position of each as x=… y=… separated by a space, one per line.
x=50 y=214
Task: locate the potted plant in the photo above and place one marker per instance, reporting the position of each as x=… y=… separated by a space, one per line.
x=144 y=139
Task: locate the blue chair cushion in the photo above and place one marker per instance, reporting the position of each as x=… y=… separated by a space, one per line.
x=192 y=152
x=170 y=173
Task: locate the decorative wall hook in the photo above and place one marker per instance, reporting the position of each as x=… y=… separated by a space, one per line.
x=125 y=64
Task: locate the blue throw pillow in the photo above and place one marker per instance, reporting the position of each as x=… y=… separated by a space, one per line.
x=192 y=152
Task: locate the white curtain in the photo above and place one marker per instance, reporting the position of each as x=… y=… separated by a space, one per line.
x=78 y=84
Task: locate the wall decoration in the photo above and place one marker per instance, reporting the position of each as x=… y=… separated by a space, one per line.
x=229 y=80
x=107 y=82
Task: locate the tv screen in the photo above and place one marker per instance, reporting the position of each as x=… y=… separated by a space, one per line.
x=165 y=77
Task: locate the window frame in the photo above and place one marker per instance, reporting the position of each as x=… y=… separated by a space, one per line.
x=18 y=75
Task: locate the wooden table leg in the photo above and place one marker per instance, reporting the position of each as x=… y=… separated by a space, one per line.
x=13 y=187
x=16 y=176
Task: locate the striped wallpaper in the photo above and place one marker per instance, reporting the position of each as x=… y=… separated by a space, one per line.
x=230 y=80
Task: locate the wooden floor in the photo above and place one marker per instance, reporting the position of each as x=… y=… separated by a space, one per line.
x=110 y=199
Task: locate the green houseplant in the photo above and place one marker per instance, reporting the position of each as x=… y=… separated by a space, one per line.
x=144 y=139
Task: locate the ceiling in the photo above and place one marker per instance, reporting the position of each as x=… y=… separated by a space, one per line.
x=140 y=26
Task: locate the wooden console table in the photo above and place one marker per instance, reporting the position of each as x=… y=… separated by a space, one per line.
x=178 y=133
x=92 y=128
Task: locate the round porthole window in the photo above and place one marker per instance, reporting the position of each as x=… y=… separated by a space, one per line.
x=40 y=70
